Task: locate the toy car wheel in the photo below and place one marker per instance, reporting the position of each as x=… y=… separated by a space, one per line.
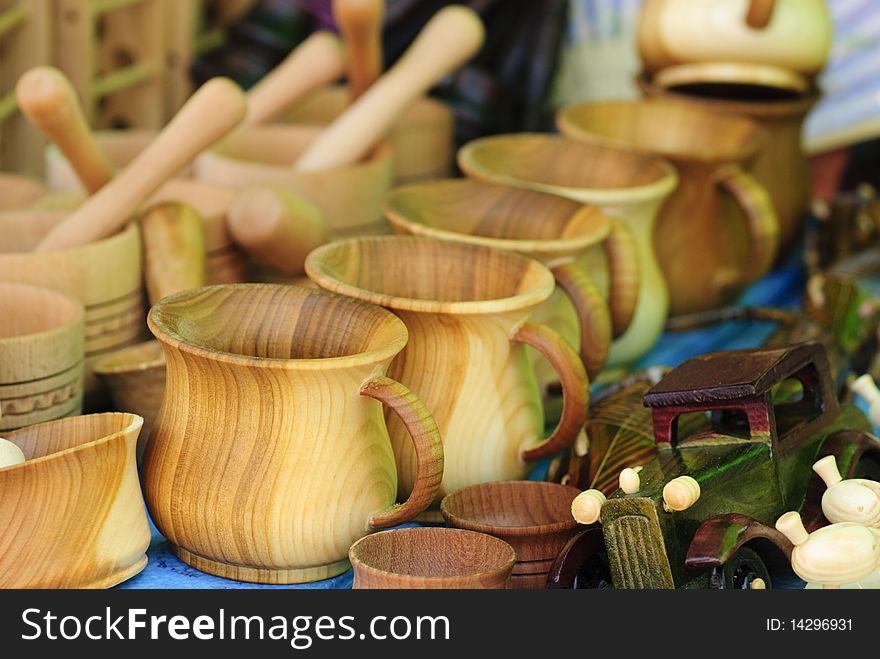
x=740 y=571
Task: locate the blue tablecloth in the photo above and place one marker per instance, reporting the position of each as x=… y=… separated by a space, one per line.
x=781 y=288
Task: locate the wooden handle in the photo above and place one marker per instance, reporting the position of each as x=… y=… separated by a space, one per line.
x=621 y=251
x=763 y=225
x=174 y=250
x=215 y=109
x=592 y=312
x=277 y=227
x=759 y=14
x=316 y=62
x=449 y=39
x=575 y=388
x=47 y=99
x=429 y=449
x=360 y=23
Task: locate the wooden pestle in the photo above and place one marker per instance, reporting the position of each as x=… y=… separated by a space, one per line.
x=49 y=102
x=214 y=110
x=450 y=38
x=360 y=23
x=317 y=61
x=174 y=250
x=277 y=227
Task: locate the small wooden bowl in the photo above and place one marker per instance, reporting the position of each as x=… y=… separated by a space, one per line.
x=42 y=336
x=105 y=276
x=135 y=378
x=19 y=191
x=421 y=141
x=72 y=516
x=350 y=197
x=431 y=558
x=534 y=517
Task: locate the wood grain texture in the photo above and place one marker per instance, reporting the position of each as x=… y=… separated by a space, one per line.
x=174 y=250
x=728 y=244
x=73 y=515
x=626 y=185
x=350 y=197
x=360 y=24
x=463 y=306
x=269 y=458
x=42 y=335
x=431 y=558
x=19 y=191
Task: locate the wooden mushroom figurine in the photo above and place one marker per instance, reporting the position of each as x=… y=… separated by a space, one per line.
x=832 y=555
x=865 y=387
x=850 y=500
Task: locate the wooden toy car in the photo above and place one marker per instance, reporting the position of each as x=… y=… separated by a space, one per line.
x=704 y=510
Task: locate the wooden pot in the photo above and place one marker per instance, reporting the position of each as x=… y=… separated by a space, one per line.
x=421 y=141
x=467 y=309
x=718 y=231
x=350 y=197
x=105 y=276
x=19 y=191
x=41 y=355
x=744 y=91
x=72 y=516
x=270 y=456
x=431 y=558
x=623 y=184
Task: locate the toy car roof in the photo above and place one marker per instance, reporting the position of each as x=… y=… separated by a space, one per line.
x=733 y=374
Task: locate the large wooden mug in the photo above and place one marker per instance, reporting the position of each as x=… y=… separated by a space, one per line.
x=467 y=309
x=270 y=456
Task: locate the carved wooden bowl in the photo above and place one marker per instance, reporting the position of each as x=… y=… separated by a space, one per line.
x=72 y=515
x=431 y=558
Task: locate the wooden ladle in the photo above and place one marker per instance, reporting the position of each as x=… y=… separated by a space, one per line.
x=360 y=23
x=449 y=39
x=214 y=110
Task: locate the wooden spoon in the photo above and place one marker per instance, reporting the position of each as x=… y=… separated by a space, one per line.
x=360 y=22
x=49 y=102
x=214 y=110
x=449 y=39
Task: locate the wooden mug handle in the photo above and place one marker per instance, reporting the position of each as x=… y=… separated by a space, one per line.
x=429 y=449
x=216 y=108
x=763 y=225
x=575 y=388
x=759 y=14
x=317 y=61
x=360 y=22
x=592 y=312
x=46 y=97
x=622 y=254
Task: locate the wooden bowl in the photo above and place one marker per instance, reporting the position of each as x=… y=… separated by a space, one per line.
x=534 y=517
x=19 y=191
x=105 y=276
x=350 y=197
x=421 y=141
x=72 y=515
x=135 y=378
x=431 y=558
x=42 y=335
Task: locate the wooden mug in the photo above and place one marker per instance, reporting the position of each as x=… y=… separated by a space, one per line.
x=72 y=515
x=549 y=228
x=270 y=456
x=467 y=309
x=431 y=558
x=622 y=183
x=42 y=338
x=718 y=231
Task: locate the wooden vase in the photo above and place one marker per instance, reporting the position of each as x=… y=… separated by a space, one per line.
x=105 y=276
x=623 y=184
x=41 y=355
x=421 y=142
x=72 y=515
x=718 y=231
x=431 y=558
x=467 y=309
x=350 y=197
x=270 y=455
x=19 y=191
